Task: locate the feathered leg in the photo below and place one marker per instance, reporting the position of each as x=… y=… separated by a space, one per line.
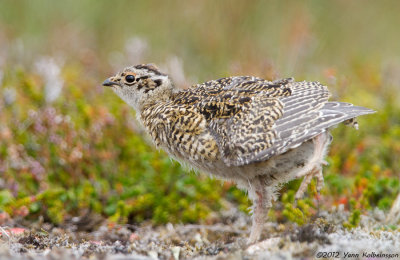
x=314 y=166
x=262 y=201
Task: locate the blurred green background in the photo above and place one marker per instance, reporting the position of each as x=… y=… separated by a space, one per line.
x=70 y=148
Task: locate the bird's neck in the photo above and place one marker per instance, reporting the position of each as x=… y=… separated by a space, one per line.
x=159 y=95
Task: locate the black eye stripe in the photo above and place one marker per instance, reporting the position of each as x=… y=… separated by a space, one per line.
x=158 y=82
x=142 y=77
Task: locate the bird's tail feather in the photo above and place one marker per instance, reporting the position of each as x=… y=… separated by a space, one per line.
x=349 y=110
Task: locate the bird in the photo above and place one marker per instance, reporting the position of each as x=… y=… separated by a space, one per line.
x=256 y=133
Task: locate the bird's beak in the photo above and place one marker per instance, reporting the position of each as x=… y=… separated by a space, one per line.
x=109 y=82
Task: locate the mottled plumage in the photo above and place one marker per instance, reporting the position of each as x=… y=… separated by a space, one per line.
x=255 y=132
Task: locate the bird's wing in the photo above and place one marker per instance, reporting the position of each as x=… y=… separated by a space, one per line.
x=305 y=114
x=252 y=119
x=240 y=112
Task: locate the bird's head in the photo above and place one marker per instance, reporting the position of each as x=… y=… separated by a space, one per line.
x=141 y=84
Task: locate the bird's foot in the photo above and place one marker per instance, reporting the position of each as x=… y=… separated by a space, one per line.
x=314 y=167
x=254 y=234
x=315 y=172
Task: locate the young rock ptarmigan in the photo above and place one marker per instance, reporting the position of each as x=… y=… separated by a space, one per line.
x=254 y=132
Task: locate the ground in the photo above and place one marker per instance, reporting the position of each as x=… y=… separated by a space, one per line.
x=324 y=237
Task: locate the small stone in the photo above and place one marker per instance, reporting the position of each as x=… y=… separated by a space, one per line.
x=170 y=227
x=175 y=252
x=153 y=254
x=133 y=237
x=197 y=238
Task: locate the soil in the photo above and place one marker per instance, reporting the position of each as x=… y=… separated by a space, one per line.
x=324 y=237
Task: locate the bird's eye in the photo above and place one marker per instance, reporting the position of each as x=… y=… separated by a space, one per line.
x=130 y=78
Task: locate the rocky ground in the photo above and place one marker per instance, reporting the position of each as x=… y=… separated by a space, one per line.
x=324 y=237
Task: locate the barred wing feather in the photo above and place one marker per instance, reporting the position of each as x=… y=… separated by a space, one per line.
x=306 y=113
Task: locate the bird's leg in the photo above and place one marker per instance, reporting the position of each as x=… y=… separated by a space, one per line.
x=259 y=212
x=314 y=167
x=261 y=196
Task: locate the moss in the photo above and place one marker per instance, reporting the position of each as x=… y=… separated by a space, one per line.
x=353 y=220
